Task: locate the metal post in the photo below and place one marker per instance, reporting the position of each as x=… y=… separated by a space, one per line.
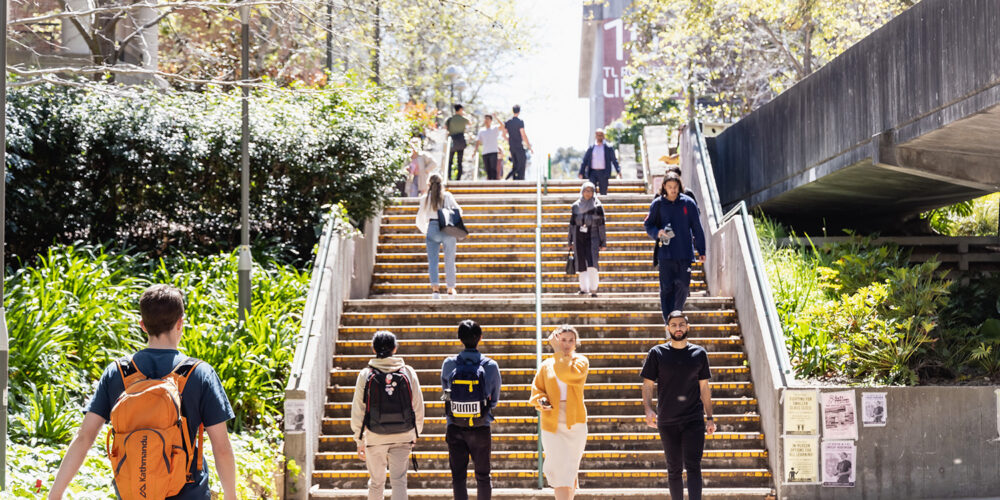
x=549 y=176
x=4 y=344
x=329 y=36
x=538 y=308
x=245 y=260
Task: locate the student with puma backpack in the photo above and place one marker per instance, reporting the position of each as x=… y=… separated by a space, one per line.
x=471 y=384
x=387 y=417
x=159 y=403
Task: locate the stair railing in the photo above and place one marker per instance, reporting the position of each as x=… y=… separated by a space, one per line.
x=538 y=301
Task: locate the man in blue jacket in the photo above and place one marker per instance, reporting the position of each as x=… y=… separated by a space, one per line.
x=598 y=162
x=674 y=223
x=473 y=438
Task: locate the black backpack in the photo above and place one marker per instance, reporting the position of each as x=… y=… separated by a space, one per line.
x=467 y=403
x=388 y=403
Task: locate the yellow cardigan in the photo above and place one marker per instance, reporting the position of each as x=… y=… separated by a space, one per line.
x=573 y=372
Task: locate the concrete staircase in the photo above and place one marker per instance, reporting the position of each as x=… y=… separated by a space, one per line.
x=496 y=284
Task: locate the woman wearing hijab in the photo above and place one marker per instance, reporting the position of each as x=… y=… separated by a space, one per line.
x=587 y=237
x=557 y=392
x=427 y=221
x=386 y=438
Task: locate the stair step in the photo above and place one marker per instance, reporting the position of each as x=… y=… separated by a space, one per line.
x=644 y=256
x=526 y=302
x=432 y=376
x=504 y=267
x=452 y=345
x=504 y=228
x=595 y=407
x=389 y=319
x=506 y=288
x=411 y=243
x=528 y=442
x=516 y=392
x=604 y=493
x=650 y=276
x=615 y=239
x=522 y=331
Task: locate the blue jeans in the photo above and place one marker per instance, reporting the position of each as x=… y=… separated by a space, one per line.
x=435 y=238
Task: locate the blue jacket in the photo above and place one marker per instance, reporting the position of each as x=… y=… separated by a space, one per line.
x=610 y=161
x=682 y=215
x=493 y=382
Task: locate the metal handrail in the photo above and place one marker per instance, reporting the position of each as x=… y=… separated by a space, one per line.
x=776 y=333
x=538 y=303
x=646 y=170
x=312 y=303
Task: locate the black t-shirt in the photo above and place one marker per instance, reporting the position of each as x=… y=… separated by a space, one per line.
x=514 y=126
x=677 y=373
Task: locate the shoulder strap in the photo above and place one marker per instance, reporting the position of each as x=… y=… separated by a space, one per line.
x=183 y=371
x=129 y=371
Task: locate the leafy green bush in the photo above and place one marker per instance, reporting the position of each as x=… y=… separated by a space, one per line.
x=976 y=217
x=75 y=310
x=160 y=170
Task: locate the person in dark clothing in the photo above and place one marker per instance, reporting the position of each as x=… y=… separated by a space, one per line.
x=674 y=223
x=587 y=237
x=598 y=161
x=517 y=138
x=456 y=125
x=679 y=373
x=475 y=441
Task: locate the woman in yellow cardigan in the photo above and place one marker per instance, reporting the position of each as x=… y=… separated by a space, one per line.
x=557 y=392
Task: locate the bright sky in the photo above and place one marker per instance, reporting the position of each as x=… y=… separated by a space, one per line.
x=545 y=84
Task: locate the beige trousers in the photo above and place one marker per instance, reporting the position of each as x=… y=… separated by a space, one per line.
x=396 y=455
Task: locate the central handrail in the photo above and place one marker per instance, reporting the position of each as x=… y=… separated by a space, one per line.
x=538 y=303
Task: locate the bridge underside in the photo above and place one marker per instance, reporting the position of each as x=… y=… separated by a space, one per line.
x=895 y=175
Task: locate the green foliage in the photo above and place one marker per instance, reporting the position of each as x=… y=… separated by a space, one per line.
x=159 y=170
x=862 y=312
x=976 y=217
x=258 y=458
x=648 y=105
x=75 y=310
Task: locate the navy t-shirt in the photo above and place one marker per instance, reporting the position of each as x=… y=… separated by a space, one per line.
x=514 y=126
x=204 y=401
x=677 y=373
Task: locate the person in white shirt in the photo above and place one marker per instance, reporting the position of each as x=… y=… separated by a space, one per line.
x=489 y=139
x=427 y=221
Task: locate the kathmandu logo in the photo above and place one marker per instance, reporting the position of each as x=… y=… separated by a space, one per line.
x=142 y=466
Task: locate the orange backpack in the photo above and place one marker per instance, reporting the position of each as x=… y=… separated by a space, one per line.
x=148 y=443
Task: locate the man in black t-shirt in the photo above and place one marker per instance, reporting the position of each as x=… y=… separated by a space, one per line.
x=517 y=138
x=679 y=373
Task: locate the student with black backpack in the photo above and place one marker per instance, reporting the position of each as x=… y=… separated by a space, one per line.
x=471 y=384
x=387 y=417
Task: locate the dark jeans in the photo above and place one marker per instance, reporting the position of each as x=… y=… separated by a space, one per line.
x=463 y=442
x=457 y=148
x=490 y=161
x=519 y=159
x=684 y=444
x=675 y=282
x=600 y=179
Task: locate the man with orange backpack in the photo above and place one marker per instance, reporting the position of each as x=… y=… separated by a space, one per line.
x=159 y=403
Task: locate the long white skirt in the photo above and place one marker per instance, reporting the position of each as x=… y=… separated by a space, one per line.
x=563 y=451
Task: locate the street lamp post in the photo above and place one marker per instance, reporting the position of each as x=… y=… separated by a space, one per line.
x=245 y=260
x=453 y=74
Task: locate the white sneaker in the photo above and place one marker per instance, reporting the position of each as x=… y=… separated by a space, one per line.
x=435 y=295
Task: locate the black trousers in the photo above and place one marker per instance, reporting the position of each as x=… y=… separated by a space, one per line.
x=675 y=284
x=476 y=442
x=519 y=159
x=490 y=161
x=600 y=179
x=457 y=148
x=684 y=444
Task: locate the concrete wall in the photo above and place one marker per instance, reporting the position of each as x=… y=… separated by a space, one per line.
x=938 y=442
x=342 y=268
x=935 y=64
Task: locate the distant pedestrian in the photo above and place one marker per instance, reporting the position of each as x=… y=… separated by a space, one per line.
x=427 y=221
x=598 y=162
x=387 y=417
x=471 y=383
x=674 y=224
x=489 y=139
x=587 y=238
x=678 y=373
x=456 y=125
x=420 y=167
x=517 y=138
x=557 y=392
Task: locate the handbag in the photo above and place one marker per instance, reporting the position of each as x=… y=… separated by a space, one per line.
x=450 y=223
x=570 y=263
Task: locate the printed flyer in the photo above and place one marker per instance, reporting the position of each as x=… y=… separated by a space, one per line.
x=839 y=415
x=874 y=411
x=839 y=463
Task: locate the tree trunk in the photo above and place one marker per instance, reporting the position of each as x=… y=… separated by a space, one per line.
x=377 y=50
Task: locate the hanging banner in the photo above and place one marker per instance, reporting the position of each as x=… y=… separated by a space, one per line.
x=801 y=412
x=839 y=415
x=874 y=411
x=801 y=459
x=614 y=90
x=839 y=463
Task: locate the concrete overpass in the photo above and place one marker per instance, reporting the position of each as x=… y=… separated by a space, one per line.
x=905 y=121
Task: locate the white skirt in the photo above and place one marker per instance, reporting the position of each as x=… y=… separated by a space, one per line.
x=563 y=451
